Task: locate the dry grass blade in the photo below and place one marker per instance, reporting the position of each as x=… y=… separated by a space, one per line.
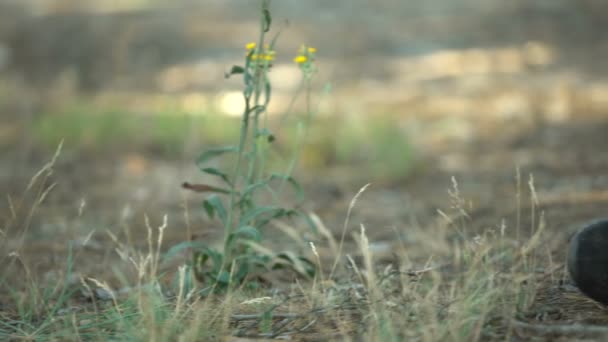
x=48 y=167
x=345 y=228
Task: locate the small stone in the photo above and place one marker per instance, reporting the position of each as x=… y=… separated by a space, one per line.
x=588 y=260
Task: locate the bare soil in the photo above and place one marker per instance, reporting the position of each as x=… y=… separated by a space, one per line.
x=564 y=158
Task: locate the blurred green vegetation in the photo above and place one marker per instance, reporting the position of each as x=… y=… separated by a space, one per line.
x=378 y=142
x=373 y=144
x=167 y=133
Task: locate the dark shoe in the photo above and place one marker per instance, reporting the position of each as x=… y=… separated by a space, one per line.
x=588 y=260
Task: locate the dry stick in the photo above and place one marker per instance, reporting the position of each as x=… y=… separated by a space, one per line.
x=575 y=329
x=281 y=326
x=350 y=208
x=308 y=325
x=189 y=236
x=287 y=318
x=518 y=198
x=246 y=317
x=534 y=204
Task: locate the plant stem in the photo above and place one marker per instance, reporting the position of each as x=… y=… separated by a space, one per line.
x=243 y=138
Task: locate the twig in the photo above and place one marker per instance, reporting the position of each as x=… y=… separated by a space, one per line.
x=308 y=325
x=415 y=273
x=569 y=330
x=246 y=317
x=279 y=329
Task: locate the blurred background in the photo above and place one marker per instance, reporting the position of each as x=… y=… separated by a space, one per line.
x=410 y=93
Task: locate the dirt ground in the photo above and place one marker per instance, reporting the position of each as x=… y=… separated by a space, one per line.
x=566 y=161
x=490 y=141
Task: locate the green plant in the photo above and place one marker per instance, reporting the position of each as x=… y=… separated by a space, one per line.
x=89 y=128
x=246 y=202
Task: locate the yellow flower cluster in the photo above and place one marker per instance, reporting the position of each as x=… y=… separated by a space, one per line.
x=266 y=55
x=306 y=53
x=300 y=59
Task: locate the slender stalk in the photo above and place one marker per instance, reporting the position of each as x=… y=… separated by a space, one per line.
x=258 y=74
x=298 y=148
x=261 y=71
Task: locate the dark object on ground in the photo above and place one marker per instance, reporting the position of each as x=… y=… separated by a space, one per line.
x=203 y=188
x=588 y=260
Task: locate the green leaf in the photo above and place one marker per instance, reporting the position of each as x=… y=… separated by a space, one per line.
x=311 y=224
x=260 y=260
x=267 y=18
x=201 y=270
x=282 y=212
x=299 y=264
x=251 y=188
x=236 y=69
x=214 y=152
x=217 y=258
x=175 y=250
x=263 y=215
x=242 y=270
x=213 y=204
x=209 y=209
x=223 y=277
x=245 y=203
x=267 y=92
x=296 y=186
x=199 y=261
x=215 y=172
x=256 y=212
x=249 y=232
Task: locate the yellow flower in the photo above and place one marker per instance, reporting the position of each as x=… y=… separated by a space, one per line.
x=254 y=57
x=300 y=59
x=250 y=46
x=312 y=50
x=269 y=57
